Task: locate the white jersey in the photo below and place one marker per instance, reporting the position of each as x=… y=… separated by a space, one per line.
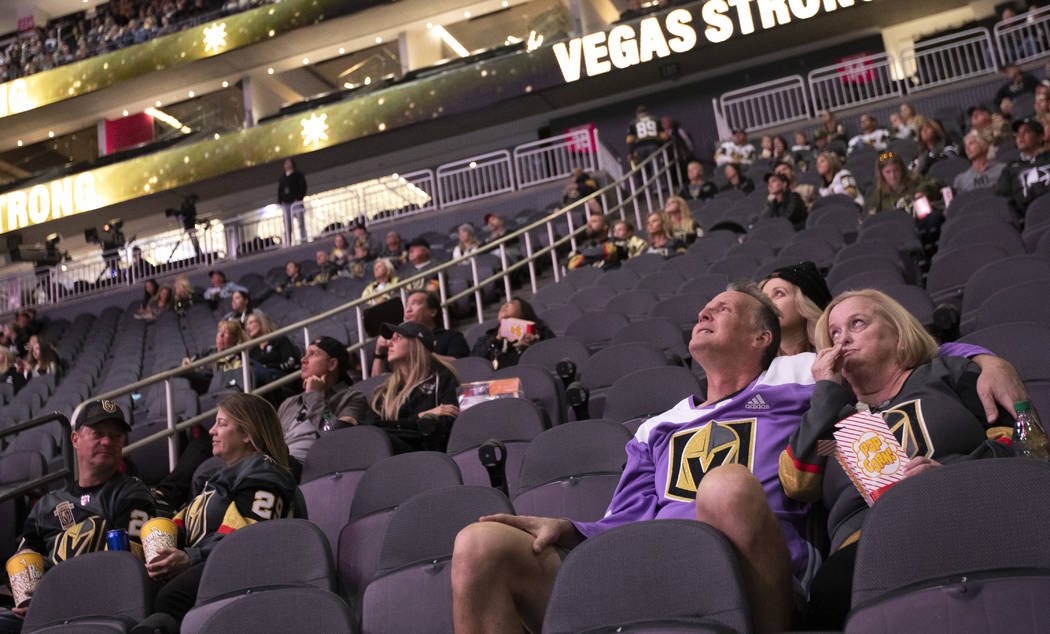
x=730 y=152
x=843 y=183
x=878 y=139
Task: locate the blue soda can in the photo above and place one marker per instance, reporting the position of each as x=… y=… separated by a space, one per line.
x=117 y=540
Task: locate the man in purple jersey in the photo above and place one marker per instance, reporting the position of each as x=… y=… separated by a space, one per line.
x=714 y=461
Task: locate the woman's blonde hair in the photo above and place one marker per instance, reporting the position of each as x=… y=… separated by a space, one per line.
x=266 y=325
x=834 y=163
x=805 y=306
x=233 y=327
x=405 y=375
x=7 y=358
x=182 y=283
x=258 y=419
x=389 y=267
x=665 y=222
x=914 y=345
x=686 y=223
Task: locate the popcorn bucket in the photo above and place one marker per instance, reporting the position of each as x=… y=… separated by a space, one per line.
x=24 y=570
x=158 y=534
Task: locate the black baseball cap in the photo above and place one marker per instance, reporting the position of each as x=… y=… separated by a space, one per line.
x=808 y=279
x=335 y=349
x=1033 y=124
x=100 y=411
x=411 y=330
x=418 y=242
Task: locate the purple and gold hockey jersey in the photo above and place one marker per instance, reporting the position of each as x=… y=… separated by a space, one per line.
x=671 y=452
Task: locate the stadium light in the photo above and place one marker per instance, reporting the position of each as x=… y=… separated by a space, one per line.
x=452 y=42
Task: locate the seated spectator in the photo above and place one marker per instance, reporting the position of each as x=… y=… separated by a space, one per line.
x=149 y=294
x=911 y=119
x=580 y=185
x=424 y=308
x=41 y=359
x=504 y=353
x=808 y=193
x=14 y=338
x=993 y=128
x=765 y=147
x=897 y=188
x=800 y=294
x=164 y=302
x=780 y=153
x=832 y=129
x=698 y=187
x=140 y=266
x=735 y=179
x=185 y=294
x=736 y=150
x=871 y=135
x=220 y=287
x=361 y=236
x=340 y=254
x=872 y=350
x=418 y=262
x=835 y=179
x=385 y=275
x=933 y=146
x=897 y=128
x=801 y=149
x=9 y=371
x=682 y=225
x=73 y=520
x=468 y=242
x=227 y=335
x=984 y=171
x=661 y=240
x=1026 y=178
x=496 y=226
x=293 y=277
x=417 y=404
x=1018 y=83
x=272 y=358
x=629 y=245
x=595 y=249
x=359 y=258
x=326 y=402
x=326 y=269
x=241 y=307
x=254 y=485
x=393 y=250
x=784 y=203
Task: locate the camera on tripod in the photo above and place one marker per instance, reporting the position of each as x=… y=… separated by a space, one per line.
x=186 y=213
x=109 y=236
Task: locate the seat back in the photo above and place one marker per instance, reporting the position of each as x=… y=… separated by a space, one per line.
x=547 y=354
x=596 y=329
x=649 y=571
x=542 y=387
x=644 y=393
x=350 y=449
x=284 y=610
x=71 y=591
x=1024 y=344
x=604 y=367
x=514 y=421
x=950 y=270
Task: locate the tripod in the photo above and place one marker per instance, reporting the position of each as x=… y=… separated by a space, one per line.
x=190 y=231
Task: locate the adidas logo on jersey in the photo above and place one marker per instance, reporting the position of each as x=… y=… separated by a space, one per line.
x=757 y=402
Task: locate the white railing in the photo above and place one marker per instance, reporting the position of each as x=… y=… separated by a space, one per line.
x=552 y=159
x=854 y=81
x=768 y=104
x=948 y=59
x=1024 y=37
x=178 y=249
x=475 y=178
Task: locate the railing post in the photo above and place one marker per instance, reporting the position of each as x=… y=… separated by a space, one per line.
x=672 y=163
x=634 y=200
x=359 y=314
x=246 y=371
x=554 y=251
x=173 y=441
x=477 y=288
x=506 y=276
x=444 y=297
x=532 y=264
x=306 y=337
x=572 y=229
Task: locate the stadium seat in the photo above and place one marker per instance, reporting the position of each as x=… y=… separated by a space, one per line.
x=950 y=270
x=914 y=299
x=70 y=595
x=259 y=558
x=596 y=330
x=644 y=393
x=606 y=366
x=655 y=571
x=620 y=278
x=592 y=298
x=547 y=354
x=814 y=249
x=681 y=309
x=283 y=610
x=383 y=487
x=636 y=303
x=753 y=248
x=664 y=283
x=946 y=169
x=572 y=470
x=705 y=284
x=970 y=235
x=412 y=591
x=542 y=387
x=559 y=318
x=734 y=267
x=660 y=332
x=924 y=562
x=1025 y=344
x=997 y=276
x=776 y=232
x=514 y=421
x=583 y=277
x=860 y=265
x=644 y=264
x=472 y=369
x=332 y=470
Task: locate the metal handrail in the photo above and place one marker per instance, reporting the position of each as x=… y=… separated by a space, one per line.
x=167 y=376
x=67 y=472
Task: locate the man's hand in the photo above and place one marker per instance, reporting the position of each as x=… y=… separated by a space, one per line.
x=168 y=564
x=526 y=340
x=999 y=383
x=314 y=384
x=382 y=344
x=828 y=364
x=547 y=531
x=918 y=465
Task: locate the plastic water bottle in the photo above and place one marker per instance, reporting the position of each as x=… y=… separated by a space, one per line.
x=1029 y=438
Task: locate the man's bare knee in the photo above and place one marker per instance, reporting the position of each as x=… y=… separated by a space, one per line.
x=730 y=494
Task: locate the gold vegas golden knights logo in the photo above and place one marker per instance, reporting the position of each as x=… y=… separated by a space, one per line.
x=86 y=537
x=196 y=517
x=108 y=406
x=694 y=452
x=906 y=423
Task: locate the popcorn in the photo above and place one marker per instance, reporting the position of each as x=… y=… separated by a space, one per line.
x=869 y=454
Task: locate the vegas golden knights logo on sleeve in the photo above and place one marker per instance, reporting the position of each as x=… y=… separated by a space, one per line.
x=196 y=519
x=906 y=423
x=694 y=452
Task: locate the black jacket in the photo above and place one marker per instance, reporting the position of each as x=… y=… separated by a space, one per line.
x=410 y=432
x=501 y=352
x=291 y=187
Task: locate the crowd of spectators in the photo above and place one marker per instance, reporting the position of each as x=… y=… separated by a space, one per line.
x=108 y=27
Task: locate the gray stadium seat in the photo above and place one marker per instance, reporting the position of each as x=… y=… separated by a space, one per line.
x=542 y=387
x=606 y=366
x=1024 y=344
x=283 y=610
x=596 y=330
x=514 y=421
x=645 y=393
x=950 y=270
